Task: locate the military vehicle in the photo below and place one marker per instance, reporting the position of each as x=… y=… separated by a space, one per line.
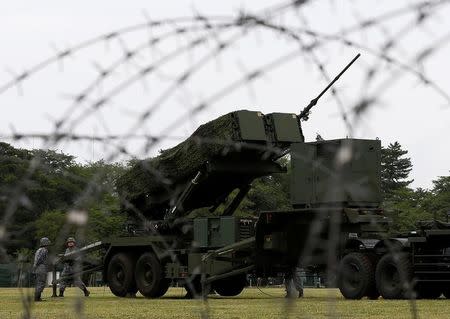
x=335 y=225
x=329 y=190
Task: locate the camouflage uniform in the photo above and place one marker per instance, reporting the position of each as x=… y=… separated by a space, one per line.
x=293 y=283
x=40 y=268
x=68 y=270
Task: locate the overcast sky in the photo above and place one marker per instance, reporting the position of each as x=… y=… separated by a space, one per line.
x=407 y=111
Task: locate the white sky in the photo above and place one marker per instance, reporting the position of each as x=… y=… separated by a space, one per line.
x=410 y=113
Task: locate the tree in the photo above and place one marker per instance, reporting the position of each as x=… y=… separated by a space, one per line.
x=99 y=199
x=50 y=224
x=45 y=193
x=407 y=206
x=31 y=182
x=439 y=204
x=100 y=224
x=395 y=169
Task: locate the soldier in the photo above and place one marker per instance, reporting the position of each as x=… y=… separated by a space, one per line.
x=40 y=267
x=293 y=283
x=68 y=271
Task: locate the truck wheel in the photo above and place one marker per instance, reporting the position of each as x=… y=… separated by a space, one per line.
x=232 y=286
x=120 y=275
x=356 y=276
x=394 y=276
x=149 y=275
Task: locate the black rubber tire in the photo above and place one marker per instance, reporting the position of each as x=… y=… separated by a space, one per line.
x=229 y=287
x=120 y=275
x=429 y=291
x=356 y=276
x=149 y=276
x=394 y=276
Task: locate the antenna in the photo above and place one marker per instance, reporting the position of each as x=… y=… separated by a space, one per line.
x=304 y=114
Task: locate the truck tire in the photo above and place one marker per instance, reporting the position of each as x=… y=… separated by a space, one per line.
x=394 y=276
x=229 y=287
x=120 y=275
x=356 y=277
x=149 y=276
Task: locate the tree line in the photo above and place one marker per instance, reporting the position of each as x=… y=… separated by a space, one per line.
x=404 y=204
x=58 y=184
x=39 y=187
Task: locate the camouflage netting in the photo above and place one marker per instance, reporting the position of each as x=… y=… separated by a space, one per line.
x=156 y=174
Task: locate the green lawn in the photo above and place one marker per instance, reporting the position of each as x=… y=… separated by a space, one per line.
x=252 y=303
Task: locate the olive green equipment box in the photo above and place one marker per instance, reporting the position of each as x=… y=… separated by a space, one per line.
x=336 y=173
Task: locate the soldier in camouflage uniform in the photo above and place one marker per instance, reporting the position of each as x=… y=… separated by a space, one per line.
x=68 y=270
x=40 y=267
x=293 y=283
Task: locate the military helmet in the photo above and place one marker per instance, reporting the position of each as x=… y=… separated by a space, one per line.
x=45 y=242
x=71 y=239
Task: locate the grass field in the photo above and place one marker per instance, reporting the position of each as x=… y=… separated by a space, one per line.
x=252 y=303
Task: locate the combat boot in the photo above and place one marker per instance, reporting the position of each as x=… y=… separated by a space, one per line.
x=86 y=292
